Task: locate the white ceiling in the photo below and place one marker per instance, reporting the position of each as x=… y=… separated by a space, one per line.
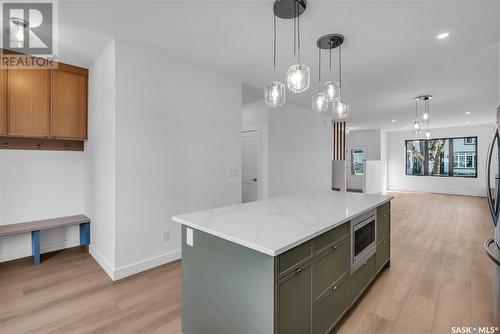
x=390 y=54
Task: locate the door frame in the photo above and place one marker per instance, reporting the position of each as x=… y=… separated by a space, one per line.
x=257 y=131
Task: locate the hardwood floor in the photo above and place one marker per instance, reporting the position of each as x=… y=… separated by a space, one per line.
x=439 y=277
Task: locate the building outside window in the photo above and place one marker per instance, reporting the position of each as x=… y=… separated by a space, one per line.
x=442 y=157
x=357 y=159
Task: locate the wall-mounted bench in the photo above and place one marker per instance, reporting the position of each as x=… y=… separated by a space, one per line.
x=36 y=226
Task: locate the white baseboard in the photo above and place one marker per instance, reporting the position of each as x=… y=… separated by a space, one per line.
x=105 y=265
x=137 y=267
x=118 y=273
x=459 y=193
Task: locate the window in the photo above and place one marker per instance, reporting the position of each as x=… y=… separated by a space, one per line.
x=442 y=157
x=357 y=159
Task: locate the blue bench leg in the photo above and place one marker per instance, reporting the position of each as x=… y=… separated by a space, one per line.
x=35 y=246
x=85 y=234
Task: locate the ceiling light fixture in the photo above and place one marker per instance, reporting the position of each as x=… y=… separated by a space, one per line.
x=467 y=112
x=443 y=35
x=298 y=75
x=319 y=103
x=331 y=87
x=418 y=124
x=417 y=128
x=340 y=106
x=274 y=91
x=393 y=121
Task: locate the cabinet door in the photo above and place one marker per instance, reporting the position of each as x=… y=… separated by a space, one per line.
x=383 y=253
x=28 y=102
x=383 y=225
x=69 y=105
x=294 y=302
x=331 y=307
x=3 y=102
x=361 y=278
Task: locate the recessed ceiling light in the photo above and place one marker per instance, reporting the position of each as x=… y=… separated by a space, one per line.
x=393 y=121
x=468 y=122
x=443 y=35
x=406 y=127
x=467 y=112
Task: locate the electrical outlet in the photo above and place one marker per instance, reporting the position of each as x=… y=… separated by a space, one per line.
x=165 y=235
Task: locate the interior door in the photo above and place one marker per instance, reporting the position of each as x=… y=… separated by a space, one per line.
x=250 y=143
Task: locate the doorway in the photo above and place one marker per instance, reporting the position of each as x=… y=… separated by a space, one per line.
x=250 y=181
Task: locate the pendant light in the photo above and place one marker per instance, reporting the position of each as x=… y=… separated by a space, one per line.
x=426 y=116
x=423 y=122
x=319 y=103
x=274 y=91
x=298 y=76
x=331 y=88
x=417 y=127
x=340 y=106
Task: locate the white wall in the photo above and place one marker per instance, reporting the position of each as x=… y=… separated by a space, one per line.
x=255 y=115
x=37 y=185
x=177 y=136
x=300 y=151
x=397 y=180
x=100 y=173
x=371 y=141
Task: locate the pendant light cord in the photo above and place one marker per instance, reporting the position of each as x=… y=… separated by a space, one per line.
x=274 y=43
x=319 y=66
x=298 y=32
x=416 y=109
x=295 y=35
x=340 y=70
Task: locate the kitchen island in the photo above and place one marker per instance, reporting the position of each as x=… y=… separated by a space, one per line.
x=283 y=265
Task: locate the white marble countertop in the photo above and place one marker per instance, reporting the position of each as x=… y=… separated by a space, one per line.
x=276 y=225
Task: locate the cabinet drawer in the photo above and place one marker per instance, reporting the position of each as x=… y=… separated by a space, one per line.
x=386 y=207
x=331 y=307
x=330 y=266
x=383 y=225
x=361 y=278
x=327 y=239
x=292 y=259
x=383 y=253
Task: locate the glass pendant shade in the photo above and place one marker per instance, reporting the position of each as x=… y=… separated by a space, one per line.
x=427 y=134
x=331 y=91
x=426 y=118
x=417 y=128
x=274 y=94
x=298 y=78
x=340 y=108
x=318 y=103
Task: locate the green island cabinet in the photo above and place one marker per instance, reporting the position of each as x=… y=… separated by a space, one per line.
x=228 y=288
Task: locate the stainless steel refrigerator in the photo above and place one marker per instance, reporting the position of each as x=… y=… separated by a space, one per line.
x=492 y=245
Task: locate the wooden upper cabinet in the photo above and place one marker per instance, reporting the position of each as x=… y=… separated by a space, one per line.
x=69 y=104
x=3 y=102
x=28 y=102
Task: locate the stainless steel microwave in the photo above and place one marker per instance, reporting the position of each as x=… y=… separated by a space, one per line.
x=363 y=239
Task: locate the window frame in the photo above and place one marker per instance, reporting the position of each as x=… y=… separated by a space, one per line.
x=452 y=156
